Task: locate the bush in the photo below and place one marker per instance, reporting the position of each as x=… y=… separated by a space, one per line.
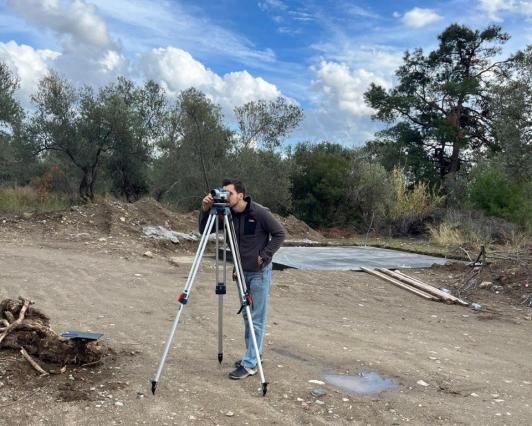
x=473 y=229
x=413 y=209
x=494 y=193
x=19 y=199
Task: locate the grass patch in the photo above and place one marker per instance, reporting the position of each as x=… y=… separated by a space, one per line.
x=17 y=200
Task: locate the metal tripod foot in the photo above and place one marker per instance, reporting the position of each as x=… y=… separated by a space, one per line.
x=153 y=386
x=264 y=388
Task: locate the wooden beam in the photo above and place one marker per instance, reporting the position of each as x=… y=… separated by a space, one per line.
x=399 y=284
x=425 y=287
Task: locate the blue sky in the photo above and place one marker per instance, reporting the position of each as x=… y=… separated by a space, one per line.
x=321 y=54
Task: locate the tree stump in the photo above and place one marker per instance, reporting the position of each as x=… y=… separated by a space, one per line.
x=31 y=331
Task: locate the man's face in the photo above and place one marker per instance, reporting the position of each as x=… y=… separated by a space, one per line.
x=234 y=197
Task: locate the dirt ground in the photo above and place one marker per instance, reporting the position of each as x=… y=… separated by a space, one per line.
x=452 y=364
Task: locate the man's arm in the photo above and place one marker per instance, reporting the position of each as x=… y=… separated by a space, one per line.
x=206 y=205
x=277 y=233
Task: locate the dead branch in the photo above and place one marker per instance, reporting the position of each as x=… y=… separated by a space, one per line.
x=33 y=363
x=11 y=326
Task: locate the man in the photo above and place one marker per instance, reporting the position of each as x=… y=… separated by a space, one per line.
x=259 y=235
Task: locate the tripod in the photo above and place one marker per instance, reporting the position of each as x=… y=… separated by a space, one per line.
x=219 y=212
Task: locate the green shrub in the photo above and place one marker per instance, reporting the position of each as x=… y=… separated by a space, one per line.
x=494 y=193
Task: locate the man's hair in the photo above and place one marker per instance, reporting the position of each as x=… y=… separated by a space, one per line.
x=239 y=186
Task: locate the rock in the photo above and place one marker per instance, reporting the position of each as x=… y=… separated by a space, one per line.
x=316 y=382
x=148 y=254
x=422 y=383
x=476 y=306
x=485 y=284
x=122 y=219
x=319 y=402
x=102 y=239
x=229 y=414
x=318 y=392
x=475 y=395
x=119 y=404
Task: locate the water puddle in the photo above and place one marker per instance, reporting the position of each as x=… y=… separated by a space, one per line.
x=364 y=383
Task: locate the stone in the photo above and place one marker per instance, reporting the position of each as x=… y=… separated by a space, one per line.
x=422 y=383
x=148 y=254
x=317 y=392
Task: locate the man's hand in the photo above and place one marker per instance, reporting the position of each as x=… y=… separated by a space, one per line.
x=260 y=261
x=207 y=202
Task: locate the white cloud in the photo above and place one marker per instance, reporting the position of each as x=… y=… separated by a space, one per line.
x=111 y=61
x=493 y=7
x=177 y=70
x=29 y=64
x=75 y=19
x=267 y=5
x=145 y=24
x=418 y=17
x=341 y=89
x=360 y=11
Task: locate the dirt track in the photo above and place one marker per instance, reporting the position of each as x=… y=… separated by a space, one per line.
x=476 y=365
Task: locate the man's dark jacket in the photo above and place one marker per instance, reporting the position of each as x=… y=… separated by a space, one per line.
x=258 y=233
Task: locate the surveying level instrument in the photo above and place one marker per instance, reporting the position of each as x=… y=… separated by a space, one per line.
x=220 y=218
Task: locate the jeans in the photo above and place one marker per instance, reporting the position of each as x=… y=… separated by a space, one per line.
x=258 y=284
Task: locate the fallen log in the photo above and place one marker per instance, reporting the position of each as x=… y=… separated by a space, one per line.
x=397 y=283
x=424 y=286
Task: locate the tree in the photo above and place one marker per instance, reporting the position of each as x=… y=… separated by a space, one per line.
x=266 y=175
x=402 y=146
x=10 y=115
x=10 y=110
x=136 y=116
x=319 y=183
x=73 y=125
x=267 y=122
x=194 y=149
x=512 y=120
x=445 y=95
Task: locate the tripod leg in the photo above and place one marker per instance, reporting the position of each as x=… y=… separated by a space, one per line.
x=241 y=284
x=183 y=299
x=220 y=291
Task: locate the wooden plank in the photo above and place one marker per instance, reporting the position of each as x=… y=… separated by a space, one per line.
x=427 y=287
x=399 y=284
x=418 y=284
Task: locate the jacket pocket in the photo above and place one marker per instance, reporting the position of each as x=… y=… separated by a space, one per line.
x=250 y=226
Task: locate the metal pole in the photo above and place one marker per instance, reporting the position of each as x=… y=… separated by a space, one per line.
x=220 y=291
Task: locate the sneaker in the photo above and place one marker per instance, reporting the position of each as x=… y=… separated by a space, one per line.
x=242 y=372
x=239 y=362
